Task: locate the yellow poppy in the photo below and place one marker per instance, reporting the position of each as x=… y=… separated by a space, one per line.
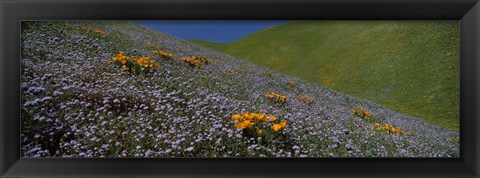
x=236 y=117
x=276 y=127
x=283 y=124
x=259 y=131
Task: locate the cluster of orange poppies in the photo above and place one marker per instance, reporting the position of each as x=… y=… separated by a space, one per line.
x=101 y=32
x=277 y=97
x=258 y=123
x=163 y=54
x=305 y=98
x=361 y=112
x=90 y=30
x=388 y=129
x=133 y=63
x=235 y=70
x=196 y=61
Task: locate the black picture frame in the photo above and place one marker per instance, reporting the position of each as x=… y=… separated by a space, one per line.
x=13 y=12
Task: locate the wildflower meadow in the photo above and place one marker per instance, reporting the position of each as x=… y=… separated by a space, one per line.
x=119 y=89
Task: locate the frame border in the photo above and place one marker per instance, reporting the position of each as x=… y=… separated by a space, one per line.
x=466 y=11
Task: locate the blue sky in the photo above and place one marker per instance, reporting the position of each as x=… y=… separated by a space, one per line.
x=218 y=31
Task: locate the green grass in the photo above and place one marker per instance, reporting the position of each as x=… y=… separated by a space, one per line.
x=408 y=66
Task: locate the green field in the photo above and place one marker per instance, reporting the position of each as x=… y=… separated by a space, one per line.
x=408 y=66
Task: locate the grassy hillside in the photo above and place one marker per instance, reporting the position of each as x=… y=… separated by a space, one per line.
x=211 y=44
x=409 y=66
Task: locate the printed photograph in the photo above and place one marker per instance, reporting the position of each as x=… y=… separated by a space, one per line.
x=240 y=89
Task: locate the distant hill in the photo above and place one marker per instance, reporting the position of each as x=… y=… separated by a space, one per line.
x=408 y=66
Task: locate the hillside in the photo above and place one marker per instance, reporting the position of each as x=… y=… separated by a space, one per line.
x=102 y=89
x=409 y=66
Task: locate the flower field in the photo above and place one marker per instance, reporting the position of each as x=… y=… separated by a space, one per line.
x=117 y=89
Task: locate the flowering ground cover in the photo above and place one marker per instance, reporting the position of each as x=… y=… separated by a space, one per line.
x=117 y=89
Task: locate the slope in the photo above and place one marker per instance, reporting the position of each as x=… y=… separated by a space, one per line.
x=77 y=101
x=408 y=66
